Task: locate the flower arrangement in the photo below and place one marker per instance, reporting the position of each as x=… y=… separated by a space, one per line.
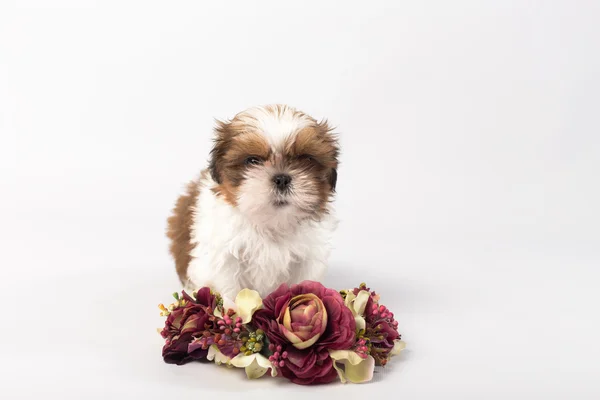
x=306 y=333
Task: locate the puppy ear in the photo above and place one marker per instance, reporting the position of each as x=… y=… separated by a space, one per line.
x=220 y=145
x=213 y=168
x=333 y=179
x=329 y=140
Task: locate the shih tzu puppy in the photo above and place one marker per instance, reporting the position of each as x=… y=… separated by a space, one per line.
x=260 y=214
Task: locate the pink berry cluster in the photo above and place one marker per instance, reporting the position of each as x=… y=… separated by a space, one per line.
x=228 y=333
x=278 y=357
x=228 y=325
x=384 y=314
x=362 y=347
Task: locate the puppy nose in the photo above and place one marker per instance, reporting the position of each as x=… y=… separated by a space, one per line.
x=282 y=181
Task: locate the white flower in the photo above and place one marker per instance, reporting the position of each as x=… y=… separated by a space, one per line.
x=357 y=304
x=246 y=303
x=399 y=345
x=356 y=369
x=256 y=365
x=215 y=354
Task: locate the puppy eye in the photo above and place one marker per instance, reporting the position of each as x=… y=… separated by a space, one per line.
x=306 y=157
x=252 y=160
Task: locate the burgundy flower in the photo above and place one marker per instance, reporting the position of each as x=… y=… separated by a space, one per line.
x=381 y=328
x=186 y=321
x=303 y=322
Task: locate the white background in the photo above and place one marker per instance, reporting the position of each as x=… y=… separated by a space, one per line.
x=468 y=192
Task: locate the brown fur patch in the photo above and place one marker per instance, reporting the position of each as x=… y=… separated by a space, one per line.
x=247 y=143
x=233 y=145
x=315 y=150
x=316 y=142
x=179 y=226
x=227 y=191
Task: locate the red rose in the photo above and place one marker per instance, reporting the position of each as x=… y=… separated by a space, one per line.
x=183 y=323
x=303 y=322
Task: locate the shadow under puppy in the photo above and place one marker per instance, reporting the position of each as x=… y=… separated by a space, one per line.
x=261 y=213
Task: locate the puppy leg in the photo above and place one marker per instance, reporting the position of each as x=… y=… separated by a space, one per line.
x=178 y=231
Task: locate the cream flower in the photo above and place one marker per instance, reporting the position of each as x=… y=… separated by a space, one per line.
x=357 y=304
x=246 y=303
x=399 y=345
x=215 y=354
x=355 y=368
x=256 y=365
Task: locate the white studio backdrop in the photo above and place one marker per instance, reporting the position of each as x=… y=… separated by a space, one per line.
x=468 y=191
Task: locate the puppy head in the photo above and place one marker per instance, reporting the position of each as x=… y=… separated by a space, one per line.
x=275 y=164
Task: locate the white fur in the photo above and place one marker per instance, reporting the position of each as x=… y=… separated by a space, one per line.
x=276 y=124
x=233 y=252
